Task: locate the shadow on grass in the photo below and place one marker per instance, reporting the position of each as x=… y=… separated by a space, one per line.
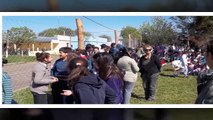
x=166 y=75
x=136 y=96
x=167 y=69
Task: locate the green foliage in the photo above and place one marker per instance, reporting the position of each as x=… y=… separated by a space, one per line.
x=109 y=39
x=23 y=96
x=51 y=32
x=128 y=30
x=18 y=58
x=196 y=29
x=170 y=90
x=20 y=35
x=159 y=31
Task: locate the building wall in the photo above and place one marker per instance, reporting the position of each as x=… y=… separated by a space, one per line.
x=89 y=40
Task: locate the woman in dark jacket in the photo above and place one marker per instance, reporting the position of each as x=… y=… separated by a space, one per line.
x=110 y=73
x=86 y=87
x=205 y=80
x=150 y=66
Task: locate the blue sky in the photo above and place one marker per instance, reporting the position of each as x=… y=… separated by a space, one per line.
x=40 y=23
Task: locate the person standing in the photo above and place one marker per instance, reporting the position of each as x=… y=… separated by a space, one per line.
x=60 y=71
x=130 y=68
x=86 y=87
x=205 y=80
x=184 y=60
x=110 y=73
x=6 y=86
x=150 y=67
x=41 y=78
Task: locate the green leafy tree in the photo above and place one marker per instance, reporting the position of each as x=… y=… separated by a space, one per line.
x=194 y=28
x=51 y=32
x=87 y=34
x=20 y=35
x=109 y=39
x=159 y=31
x=135 y=34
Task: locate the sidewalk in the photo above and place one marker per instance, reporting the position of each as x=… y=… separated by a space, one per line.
x=20 y=74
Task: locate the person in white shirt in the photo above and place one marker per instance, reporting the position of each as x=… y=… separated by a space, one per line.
x=177 y=66
x=184 y=61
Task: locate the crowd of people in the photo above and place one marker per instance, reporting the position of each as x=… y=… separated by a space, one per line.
x=108 y=75
x=94 y=76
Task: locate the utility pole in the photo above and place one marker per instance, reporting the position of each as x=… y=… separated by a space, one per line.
x=116 y=36
x=80 y=33
x=53 y=7
x=129 y=41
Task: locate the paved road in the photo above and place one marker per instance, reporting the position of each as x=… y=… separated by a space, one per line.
x=20 y=74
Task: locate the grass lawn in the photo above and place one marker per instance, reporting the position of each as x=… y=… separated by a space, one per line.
x=18 y=58
x=23 y=96
x=170 y=90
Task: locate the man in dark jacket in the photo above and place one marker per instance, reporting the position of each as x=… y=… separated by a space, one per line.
x=60 y=71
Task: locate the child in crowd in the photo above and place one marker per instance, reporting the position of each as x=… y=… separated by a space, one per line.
x=130 y=68
x=184 y=61
x=6 y=86
x=41 y=78
x=86 y=87
x=60 y=71
x=110 y=73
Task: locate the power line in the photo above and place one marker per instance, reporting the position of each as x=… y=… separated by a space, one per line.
x=100 y=31
x=99 y=23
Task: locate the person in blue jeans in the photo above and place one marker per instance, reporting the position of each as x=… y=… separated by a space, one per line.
x=129 y=66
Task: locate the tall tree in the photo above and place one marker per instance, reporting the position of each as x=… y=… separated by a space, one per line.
x=159 y=31
x=194 y=28
x=135 y=34
x=20 y=35
x=109 y=39
x=51 y=32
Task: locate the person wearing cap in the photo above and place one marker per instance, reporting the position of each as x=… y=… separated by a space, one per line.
x=150 y=67
x=130 y=68
x=103 y=48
